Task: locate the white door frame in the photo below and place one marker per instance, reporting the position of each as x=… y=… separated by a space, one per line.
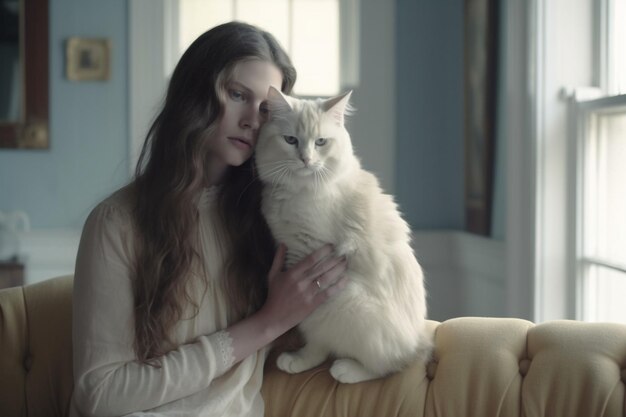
x=152 y=34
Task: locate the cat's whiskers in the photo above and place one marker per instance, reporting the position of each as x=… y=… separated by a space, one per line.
x=325 y=173
x=321 y=174
x=270 y=164
x=278 y=174
x=316 y=182
x=273 y=172
x=277 y=170
x=286 y=176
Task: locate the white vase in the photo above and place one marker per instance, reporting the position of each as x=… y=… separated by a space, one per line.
x=11 y=223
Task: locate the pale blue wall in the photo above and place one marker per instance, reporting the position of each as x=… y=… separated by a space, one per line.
x=429 y=54
x=88 y=153
x=88 y=157
x=430 y=159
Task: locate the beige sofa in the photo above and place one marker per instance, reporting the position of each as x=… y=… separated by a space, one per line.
x=482 y=367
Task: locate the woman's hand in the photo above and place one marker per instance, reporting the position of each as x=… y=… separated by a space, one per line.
x=295 y=293
x=292 y=295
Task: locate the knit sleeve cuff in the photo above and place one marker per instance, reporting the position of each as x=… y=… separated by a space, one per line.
x=225 y=348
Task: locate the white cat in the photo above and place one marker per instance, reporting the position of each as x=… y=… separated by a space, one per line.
x=315 y=192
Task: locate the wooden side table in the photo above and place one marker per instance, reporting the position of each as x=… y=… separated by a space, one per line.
x=11 y=274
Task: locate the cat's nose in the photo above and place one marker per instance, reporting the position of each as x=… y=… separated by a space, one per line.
x=306 y=161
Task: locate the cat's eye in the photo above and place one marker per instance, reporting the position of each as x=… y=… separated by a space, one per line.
x=320 y=141
x=292 y=140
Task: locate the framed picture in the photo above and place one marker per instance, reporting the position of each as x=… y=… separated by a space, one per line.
x=480 y=99
x=88 y=59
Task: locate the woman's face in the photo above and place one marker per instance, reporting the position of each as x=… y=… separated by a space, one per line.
x=243 y=113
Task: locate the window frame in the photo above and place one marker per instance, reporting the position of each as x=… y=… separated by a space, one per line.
x=583 y=112
x=556 y=78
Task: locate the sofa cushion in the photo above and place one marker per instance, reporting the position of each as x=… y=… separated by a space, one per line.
x=36 y=356
x=13 y=345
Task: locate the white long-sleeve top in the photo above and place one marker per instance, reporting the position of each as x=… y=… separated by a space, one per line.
x=198 y=377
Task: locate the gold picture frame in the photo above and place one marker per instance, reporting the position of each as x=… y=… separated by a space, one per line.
x=88 y=59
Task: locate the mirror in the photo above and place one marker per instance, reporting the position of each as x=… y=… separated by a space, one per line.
x=24 y=74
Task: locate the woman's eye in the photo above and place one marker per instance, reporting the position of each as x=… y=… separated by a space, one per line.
x=292 y=140
x=236 y=95
x=321 y=141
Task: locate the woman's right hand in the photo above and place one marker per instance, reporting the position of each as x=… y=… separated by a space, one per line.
x=295 y=293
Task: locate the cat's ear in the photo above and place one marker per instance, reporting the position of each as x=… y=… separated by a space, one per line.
x=277 y=103
x=338 y=107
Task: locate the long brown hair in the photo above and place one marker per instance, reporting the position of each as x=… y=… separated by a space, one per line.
x=169 y=177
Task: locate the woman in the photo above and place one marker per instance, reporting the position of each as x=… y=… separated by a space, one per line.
x=177 y=291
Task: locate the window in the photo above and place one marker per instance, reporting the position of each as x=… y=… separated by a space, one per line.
x=563 y=134
x=601 y=226
x=160 y=30
x=614 y=31
x=312 y=32
x=602 y=231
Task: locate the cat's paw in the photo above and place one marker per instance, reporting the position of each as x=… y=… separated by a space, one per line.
x=292 y=363
x=285 y=361
x=304 y=359
x=349 y=371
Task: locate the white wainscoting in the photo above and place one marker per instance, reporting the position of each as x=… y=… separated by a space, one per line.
x=48 y=253
x=465 y=274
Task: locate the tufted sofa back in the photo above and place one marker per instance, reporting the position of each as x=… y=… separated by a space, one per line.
x=36 y=349
x=482 y=367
